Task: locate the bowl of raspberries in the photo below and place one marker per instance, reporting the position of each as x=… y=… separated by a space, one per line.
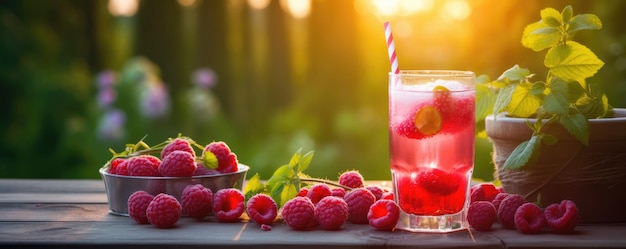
x=168 y=168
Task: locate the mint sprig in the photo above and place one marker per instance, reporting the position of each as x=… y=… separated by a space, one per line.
x=564 y=97
x=287 y=180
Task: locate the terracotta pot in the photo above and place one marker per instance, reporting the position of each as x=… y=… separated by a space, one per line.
x=593 y=176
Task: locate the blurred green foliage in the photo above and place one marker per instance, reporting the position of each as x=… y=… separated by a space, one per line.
x=282 y=83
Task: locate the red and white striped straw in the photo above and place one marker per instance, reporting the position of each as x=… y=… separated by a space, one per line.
x=391 y=49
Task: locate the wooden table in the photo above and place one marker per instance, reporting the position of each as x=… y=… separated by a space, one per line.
x=74 y=214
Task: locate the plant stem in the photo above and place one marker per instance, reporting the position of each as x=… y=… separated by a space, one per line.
x=332 y=183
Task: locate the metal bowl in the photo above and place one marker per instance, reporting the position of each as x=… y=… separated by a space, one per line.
x=120 y=187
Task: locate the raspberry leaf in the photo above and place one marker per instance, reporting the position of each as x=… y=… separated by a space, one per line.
x=253 y=186
x=209 y=160
x=524 y=154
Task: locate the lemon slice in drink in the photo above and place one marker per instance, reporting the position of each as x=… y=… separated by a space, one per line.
x=428 y=120
x=440 y=88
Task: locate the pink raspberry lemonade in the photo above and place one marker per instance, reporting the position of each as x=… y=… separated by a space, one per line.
x=431 y=147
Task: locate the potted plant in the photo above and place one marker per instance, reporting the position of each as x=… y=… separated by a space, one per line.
x=558 y=138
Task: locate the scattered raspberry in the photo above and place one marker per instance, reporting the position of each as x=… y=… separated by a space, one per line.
x=177 y=144
x=226 y=160
x=498 y=199
x=262 y=209
x=137 y=204
x=387 y=196
x=318 y=191
x=507 y=209
x=383 y=215
x=144 y=165
x=113 y=165
x=228 y=205
x=529 y=218
x=299 y=213
x=481 y=215
x=122 y=168
x=438 y=181
x=377 y=191
x=562 y=217
x=338 y=192
x=197 y=201
x=483 y=192
x=331 y=212
x=266 y=227
x=351 y=179
x=163 y=211
x=178 y=163
x=303 y=192
x=359 y=201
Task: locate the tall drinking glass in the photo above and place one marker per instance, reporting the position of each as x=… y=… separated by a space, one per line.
x=431 y=147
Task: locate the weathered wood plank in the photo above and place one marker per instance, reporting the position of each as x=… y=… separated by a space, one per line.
x=51 y=186
x=53 y=198
x=31 y=212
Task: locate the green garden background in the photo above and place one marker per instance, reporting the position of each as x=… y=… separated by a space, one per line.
x=268 y=77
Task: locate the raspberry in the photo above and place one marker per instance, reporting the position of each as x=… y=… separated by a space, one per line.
x=317 y=192
x=498 y=199
x=204 y=171
x=228 y=204
x=226 y=160
x=262 y=209
x=529 y=218
x=144 y=165
x=383 y=215
x=122 y=168
x=351 y=179
x=331 y=212
x=562 y=217
x=507 y=209
x=114 y=163
x=177 y=144
x=197 y=201
x=481 y=215
x=459 y=115
x=483 y=192
x=377 y=191
x=338 y=192
x=137 y=205
x=299 y=213
x=387 y=196
x=303 y=192
x=438 y=181
x=163 y=211
x=178 y=163
x=359 y=201
x=266 y=227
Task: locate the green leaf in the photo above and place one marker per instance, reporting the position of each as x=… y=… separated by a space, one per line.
x=523 y=103
x=289 y=192
x=577 y=125
x=556 y=101
x=305 y=161
x=209 y=160
x=253 y=186
x=293 y=162
x=539 y=36
x=549 y=139
x=283 y=173
x=572 y=62
x=551 y=17
x=567 y=13
x=485 y=100
x=592 y=107
x=503 y=99
x=538 y=88
x=524 y=154
x=515 y=73
x=574 y=91
x=584 y=22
